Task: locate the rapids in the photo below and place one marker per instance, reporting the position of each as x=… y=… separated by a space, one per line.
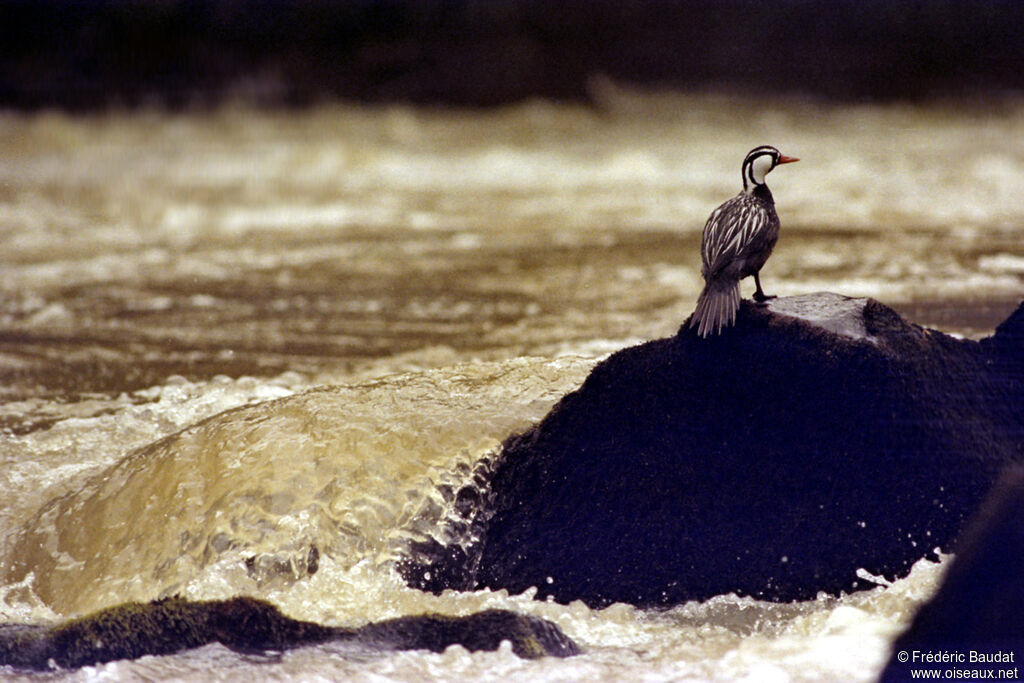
x=253 y=352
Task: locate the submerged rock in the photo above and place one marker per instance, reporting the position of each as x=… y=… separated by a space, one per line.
x=819 y=436
x=978 y=607
x=167 y=626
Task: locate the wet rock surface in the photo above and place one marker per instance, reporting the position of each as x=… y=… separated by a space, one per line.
x=249 y=625
x=832 y=312
x=819 y=436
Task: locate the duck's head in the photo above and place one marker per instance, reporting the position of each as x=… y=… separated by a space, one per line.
x=759 y=162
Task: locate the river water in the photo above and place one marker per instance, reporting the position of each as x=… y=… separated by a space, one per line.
x=246 y=351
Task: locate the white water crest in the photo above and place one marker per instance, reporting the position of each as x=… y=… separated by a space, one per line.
x=346 y=474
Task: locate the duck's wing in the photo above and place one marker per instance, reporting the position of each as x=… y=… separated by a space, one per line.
x=730 y=231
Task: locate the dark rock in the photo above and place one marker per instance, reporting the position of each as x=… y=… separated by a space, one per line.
x=531 y=637
x=1004 y=352
x=249 y=625
x=980 y=605
x=818 y=436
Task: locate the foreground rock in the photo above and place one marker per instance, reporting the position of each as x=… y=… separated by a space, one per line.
x=979 y=606
x=249 y=625
x=819 y=436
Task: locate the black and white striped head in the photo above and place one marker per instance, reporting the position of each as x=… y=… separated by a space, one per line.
x=759 y=162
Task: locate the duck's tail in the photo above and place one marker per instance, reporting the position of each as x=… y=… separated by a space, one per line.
x=716 y=307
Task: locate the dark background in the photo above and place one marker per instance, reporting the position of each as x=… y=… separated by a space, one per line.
x=82 y=55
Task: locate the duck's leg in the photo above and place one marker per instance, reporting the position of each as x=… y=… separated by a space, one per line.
x=759 y=295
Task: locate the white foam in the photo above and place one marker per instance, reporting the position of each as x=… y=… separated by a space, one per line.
x=1002 y=263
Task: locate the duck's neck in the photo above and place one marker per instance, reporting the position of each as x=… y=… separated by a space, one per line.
x=760 y=191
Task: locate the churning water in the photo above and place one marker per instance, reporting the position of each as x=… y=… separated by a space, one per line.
x=252 y=352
